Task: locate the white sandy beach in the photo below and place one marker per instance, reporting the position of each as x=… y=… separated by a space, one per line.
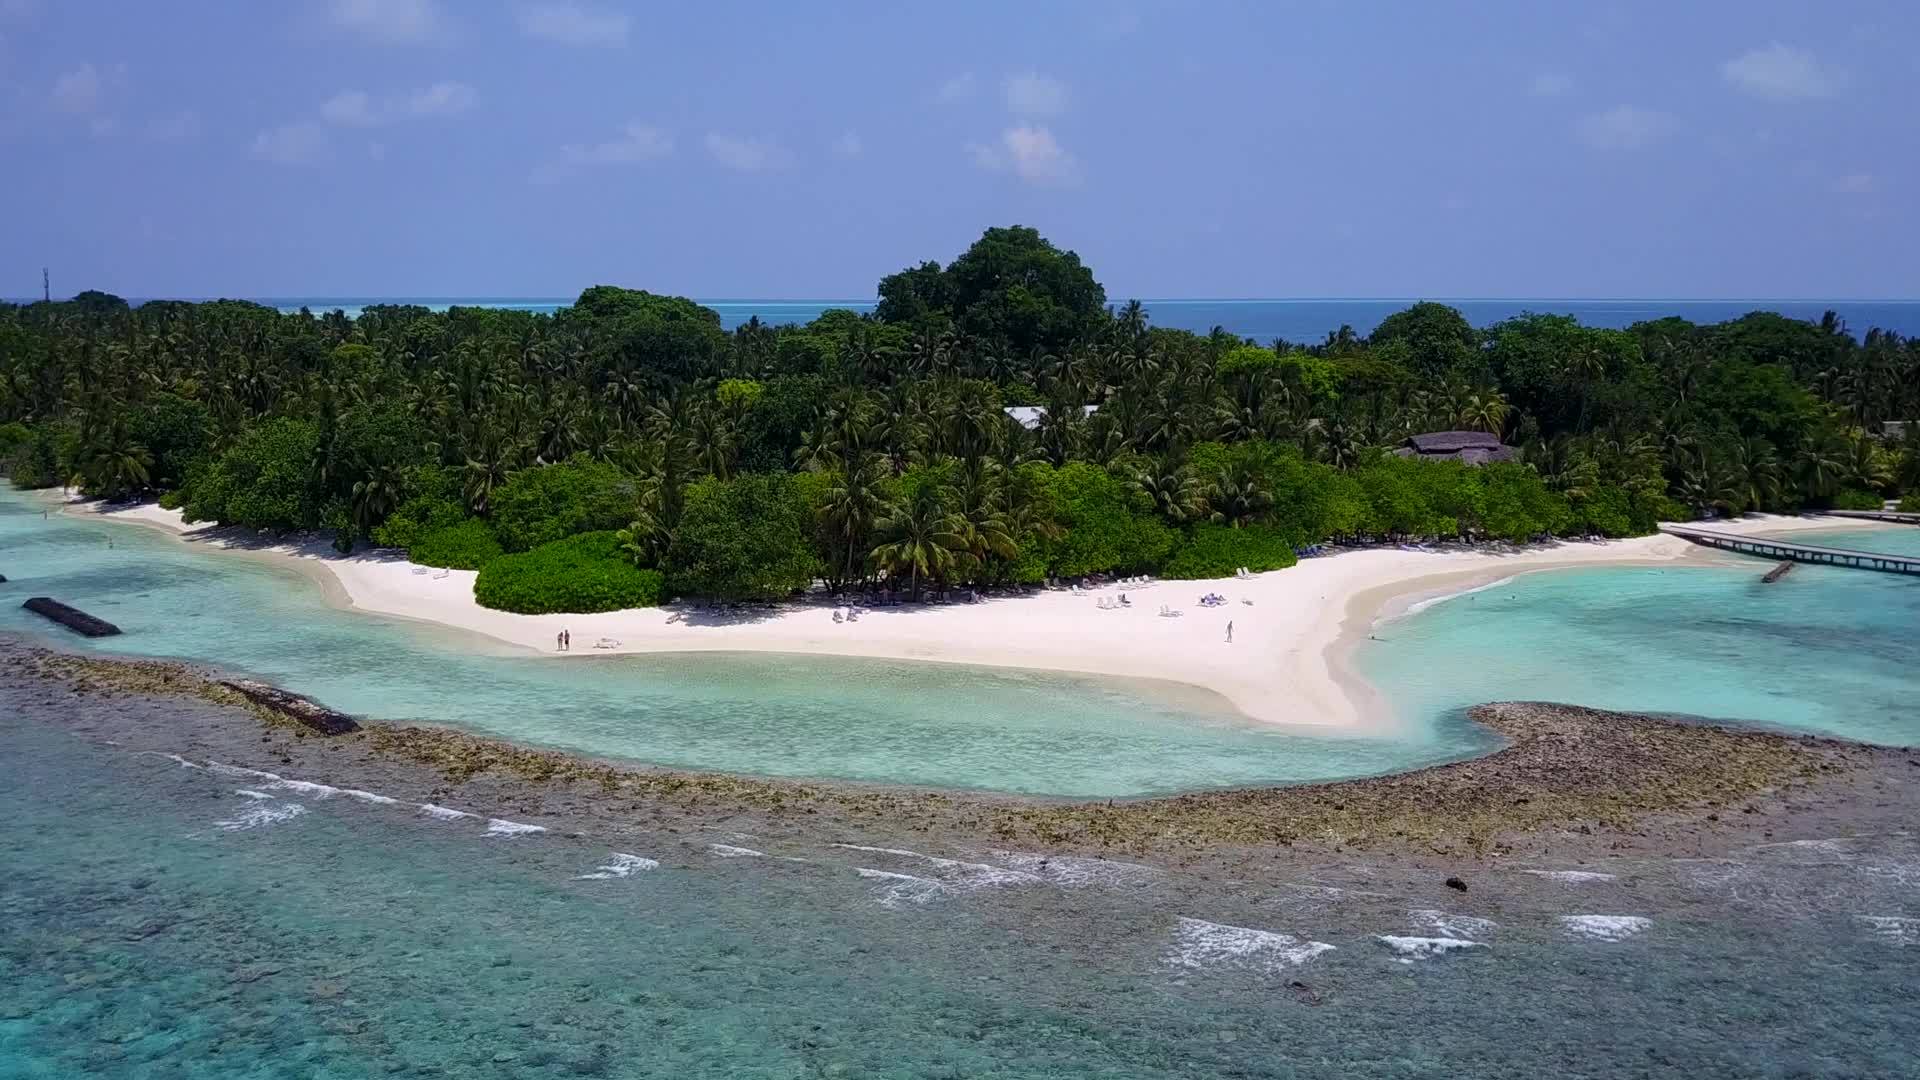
x=1286 y=664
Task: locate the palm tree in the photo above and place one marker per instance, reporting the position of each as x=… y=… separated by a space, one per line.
x=114 y=464
x=922 y=538
x=1754 y=471
x=1176 y=494
x=376 y=495
x=1818 y=465
x=1865 y=465
x=1236 y=496
x=854 y=504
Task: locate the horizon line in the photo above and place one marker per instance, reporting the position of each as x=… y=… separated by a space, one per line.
x=363 y=299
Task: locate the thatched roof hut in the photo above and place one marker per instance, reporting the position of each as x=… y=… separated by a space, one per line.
x=1472 y=447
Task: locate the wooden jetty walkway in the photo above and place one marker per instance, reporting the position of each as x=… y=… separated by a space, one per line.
x=1896 y=516
x=1780 y=550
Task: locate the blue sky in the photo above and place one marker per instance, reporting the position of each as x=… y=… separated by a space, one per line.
x=1718 y=148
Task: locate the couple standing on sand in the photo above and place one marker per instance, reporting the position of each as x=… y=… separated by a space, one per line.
x=563 y=641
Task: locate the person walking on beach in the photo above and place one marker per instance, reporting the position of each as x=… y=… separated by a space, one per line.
x=1229 y=631
x=566 y=640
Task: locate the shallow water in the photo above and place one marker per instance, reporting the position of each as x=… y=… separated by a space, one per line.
x=883 y=721
x=1825 y=650
x=167 y=922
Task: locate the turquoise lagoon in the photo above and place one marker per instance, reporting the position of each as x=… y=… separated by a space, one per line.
x=800 y=716
x=1829 y=651
x=1824 y=650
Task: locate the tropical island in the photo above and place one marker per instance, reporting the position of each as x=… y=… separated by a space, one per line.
x=992 y=427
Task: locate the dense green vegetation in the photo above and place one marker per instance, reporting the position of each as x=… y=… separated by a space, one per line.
x=628 y=447
x=582 y=573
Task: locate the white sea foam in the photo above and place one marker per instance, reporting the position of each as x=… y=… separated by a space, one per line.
x=1605 y=927
x=260 y=815
x=1072 y=872
x=305 y=787
x=1572 y=877
x=1425 y=948
x=503 y=827
x=236 y=770
x=1419 y=606
x=1446 y=925
x=175 y=758
x=619 y=866
x=443 y=813
x=897 y=889
x=370 y=797
x=957 y=873
x=252 y=794
x=728 y=851
x=1211 y=946
x=1898 y=929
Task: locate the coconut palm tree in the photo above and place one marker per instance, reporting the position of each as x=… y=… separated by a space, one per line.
x=1176 y=494
x=854 y=505
x=922 y=536
x=1236 y=497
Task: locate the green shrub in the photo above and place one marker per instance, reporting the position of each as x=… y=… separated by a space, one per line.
x=1910 y=504
x=1855 y=499
x=35 y=461
x=1216 y=551
x=263 y=481
x=468 y=545
x=1605 y=510
x=749 y=538
x=580 y=574
x=550 y=502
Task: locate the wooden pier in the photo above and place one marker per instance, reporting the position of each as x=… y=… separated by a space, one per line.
x=1780 y=550
x=1895 y=516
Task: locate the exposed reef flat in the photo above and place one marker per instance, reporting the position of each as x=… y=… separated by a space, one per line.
x=1572 y=782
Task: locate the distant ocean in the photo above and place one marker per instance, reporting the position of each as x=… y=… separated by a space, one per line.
x=1298 y=321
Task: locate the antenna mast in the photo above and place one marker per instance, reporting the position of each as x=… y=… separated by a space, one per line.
x=46 y=287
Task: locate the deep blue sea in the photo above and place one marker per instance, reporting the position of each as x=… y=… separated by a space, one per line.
x=1298 y=321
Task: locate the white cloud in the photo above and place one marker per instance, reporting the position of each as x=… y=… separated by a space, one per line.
x=746 y=154
x=79 y=90
x=1626 y=127
x=1857 y=184
x=174 y=127
x=1036 y=95
x=356 y=108
x=1778 y=73
x=390 y=21
x=291 y=144
x=957 y=89
x=442 y=99
x=1032 y=154
x=572 y=24
x=1550 y=84
x=636 y=142
x=849 y=145
x=349 y=108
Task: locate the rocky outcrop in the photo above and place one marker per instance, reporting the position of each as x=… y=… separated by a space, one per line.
x=70 y=617
x=305 y=710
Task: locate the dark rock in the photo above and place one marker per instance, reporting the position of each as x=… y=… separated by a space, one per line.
x=1456 y=883
x=305 y=710
x=1305 y=994
x=70 y=617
